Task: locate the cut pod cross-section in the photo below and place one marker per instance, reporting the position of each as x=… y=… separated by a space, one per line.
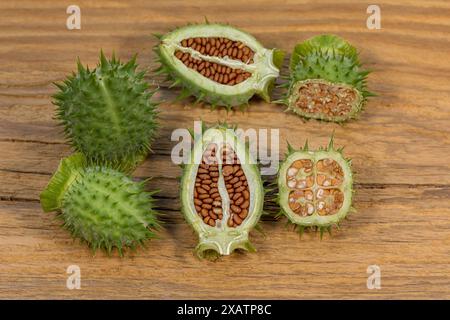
x=221 y=192
x=218 y=64
x=315 y=187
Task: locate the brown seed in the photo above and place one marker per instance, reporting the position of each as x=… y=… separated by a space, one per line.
x=229 y=44
x=245 y=205
x=184 y=43
x=245 y=58
x=206 y=187
x=227 y=170
x=185 y=57
x=204 y=212
x=200 y=190
x=206 y=219
x=197 y=202
x=232 y=82
x=198 y=209
x=206 y=206
x=201 y=66
x=208 y=200
x=203 y=41
x=236 y=196
x=239 y=173
x=246 y=194
x=241 y=188
x=190 y=41
x=234 y=53
x=230 y=52
x=216 y=77
x=221 y=78
x=232 y=181
x=230 y=221
x=235 y=209
x=213 y=190
x=217 y=210
x=212 y=222
x=232 y=76
x=203 y=196
x=213 y=41
x=215 y=195
x=225 y=79
x=243 y=213
x=239 y=79
x=239 y=54
x=237 y=184
x=213 y=215
x=237 y=219
x=198 y=40
x=207 y=181
x=239 y=201
x=214 y=174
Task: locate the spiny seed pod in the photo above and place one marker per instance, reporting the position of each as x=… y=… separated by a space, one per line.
x=326 y=80
x=221 y=192
x=107 y=113
x=100 y=206
x=315 y=187
x=218 y=64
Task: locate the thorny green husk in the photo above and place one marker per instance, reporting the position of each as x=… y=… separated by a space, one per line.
x=107 y=113
x=100 y=206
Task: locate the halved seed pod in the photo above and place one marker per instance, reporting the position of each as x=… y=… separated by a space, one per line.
x=218 y=64
x=100 y=206
x=326 y=80
x=315 y=187
x=222 y=193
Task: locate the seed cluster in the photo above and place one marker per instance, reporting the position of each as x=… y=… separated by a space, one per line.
x=321 y=98
x=237 y=187
x=213 y=71
x=220 y=47
x=315 y=187
x=207 y=199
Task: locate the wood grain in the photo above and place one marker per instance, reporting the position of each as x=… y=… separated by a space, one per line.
x=400 y=149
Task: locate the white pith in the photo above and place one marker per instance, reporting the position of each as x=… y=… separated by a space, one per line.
x=262 y=69
x=346 y=187
x=222 y=237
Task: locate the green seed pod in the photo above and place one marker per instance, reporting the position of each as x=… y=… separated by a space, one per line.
x=100 y=206
x=326 y=80
x=218 y=64
x=107 y=113
x=221 y=192
x=315 y=187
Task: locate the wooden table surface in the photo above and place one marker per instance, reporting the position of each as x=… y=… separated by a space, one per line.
x=400 y=149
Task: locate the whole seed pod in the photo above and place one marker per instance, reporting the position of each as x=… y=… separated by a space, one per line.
x=326 y=81
x=222 y=194
x=315 y=188
x=100 y=206
x=218 y=64
x=107 y=113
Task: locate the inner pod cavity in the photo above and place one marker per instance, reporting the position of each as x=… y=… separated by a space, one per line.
x=217 y=180
x=329 y=99
x=315 y=187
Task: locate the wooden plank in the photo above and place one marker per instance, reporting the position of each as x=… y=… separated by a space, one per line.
x=412 y=254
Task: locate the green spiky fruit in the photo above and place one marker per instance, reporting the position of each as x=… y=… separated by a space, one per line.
x=326 y=80
x=218 y=64
x=107 y=113
x=100 y=206
x=221 y=192
x=315 y=187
